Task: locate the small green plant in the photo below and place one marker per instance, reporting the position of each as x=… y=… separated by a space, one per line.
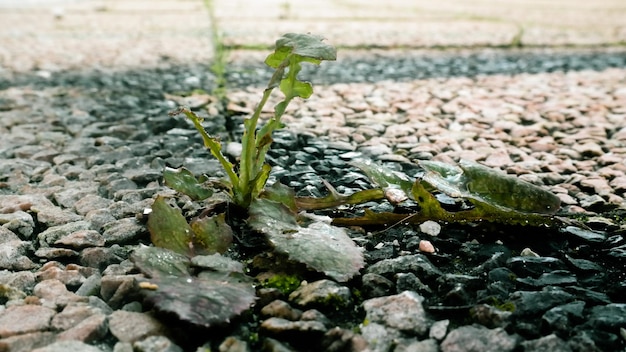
x=248 y=179
x=185 y=275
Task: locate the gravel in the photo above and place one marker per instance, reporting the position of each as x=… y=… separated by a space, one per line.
x=83 y=152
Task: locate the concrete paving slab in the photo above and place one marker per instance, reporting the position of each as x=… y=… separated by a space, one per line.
x=68 y=34
x=60 y=35
x=423 y=23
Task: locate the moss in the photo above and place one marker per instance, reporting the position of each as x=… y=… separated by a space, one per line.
x=335 y=301
x=506 y=306
x=285 y=283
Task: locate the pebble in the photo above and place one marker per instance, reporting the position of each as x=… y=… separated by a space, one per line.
x=324 y=293
x=403 y=312
x=68 y=346
x=133 y=326
x=431 y=228
x=479 y=338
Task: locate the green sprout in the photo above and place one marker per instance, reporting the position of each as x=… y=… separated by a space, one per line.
x=249 y=178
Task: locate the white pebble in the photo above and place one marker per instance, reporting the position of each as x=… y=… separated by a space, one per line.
x=430 y=227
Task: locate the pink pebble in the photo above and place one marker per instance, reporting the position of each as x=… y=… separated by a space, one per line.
x=426 y=246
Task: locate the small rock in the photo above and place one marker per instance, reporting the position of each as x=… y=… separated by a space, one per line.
x=478 y=338
x=609 y=317
x=281 y=309
x=293 y=329
x=68 y=346
x=426 y=247
x=439 y=329
x=591 y=202
x=27 y=342
x=417 y=264
x=561 y=318
x=91 y=286
x=489 y=316
x=550 y=343
x=17 y=320
x=586 y=235
x=534 y=266
x=116 y=290
x=81 y=239
x=322 y=293
x=54 y=293
x=14 y=255
x=91 y=202
x=272 y=345
x=378 y=337
x=533 y=303
x=600 y=186
x=55 y=216
x=100 y=257
x=123 y=231
x=374 y=285
x=410 y=282
x=430 y=227
x=53 y=234
x=156 y=344
x=90 y=329
x=19 y=222
x=72 y=315
x=554 y=278
x=55 y=253
x=403 y=312
x=337 y=340
x=588 y=150
x=428 y=345
x=53 y=270
x=132 y=326
x=233 y=344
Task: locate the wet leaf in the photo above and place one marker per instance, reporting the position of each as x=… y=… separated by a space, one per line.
x=297 y=88
x=305 y=45
x=158 y=262
x=318 y=244
x=183 y=181
x=281 y=194
x=486 y=186
x=334 y=199
x=169 y=229
x=212 y=234
x=212 y=298
x=384 y=177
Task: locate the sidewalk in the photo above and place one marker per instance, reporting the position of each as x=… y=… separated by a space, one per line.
x=57 y=34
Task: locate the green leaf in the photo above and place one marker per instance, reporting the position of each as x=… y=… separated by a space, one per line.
x=159 y=262
x=183 y=181
x=306 y=45
x=299 y=88
x=213 y=298
x=212 y=234
x=169 y=229
x=258 y=184
x=276 y=59
x=383 y=177
x=281 y=194
x=483 y=185
x=318 y=245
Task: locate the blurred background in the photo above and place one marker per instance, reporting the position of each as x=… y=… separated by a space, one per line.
x=57 y=34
